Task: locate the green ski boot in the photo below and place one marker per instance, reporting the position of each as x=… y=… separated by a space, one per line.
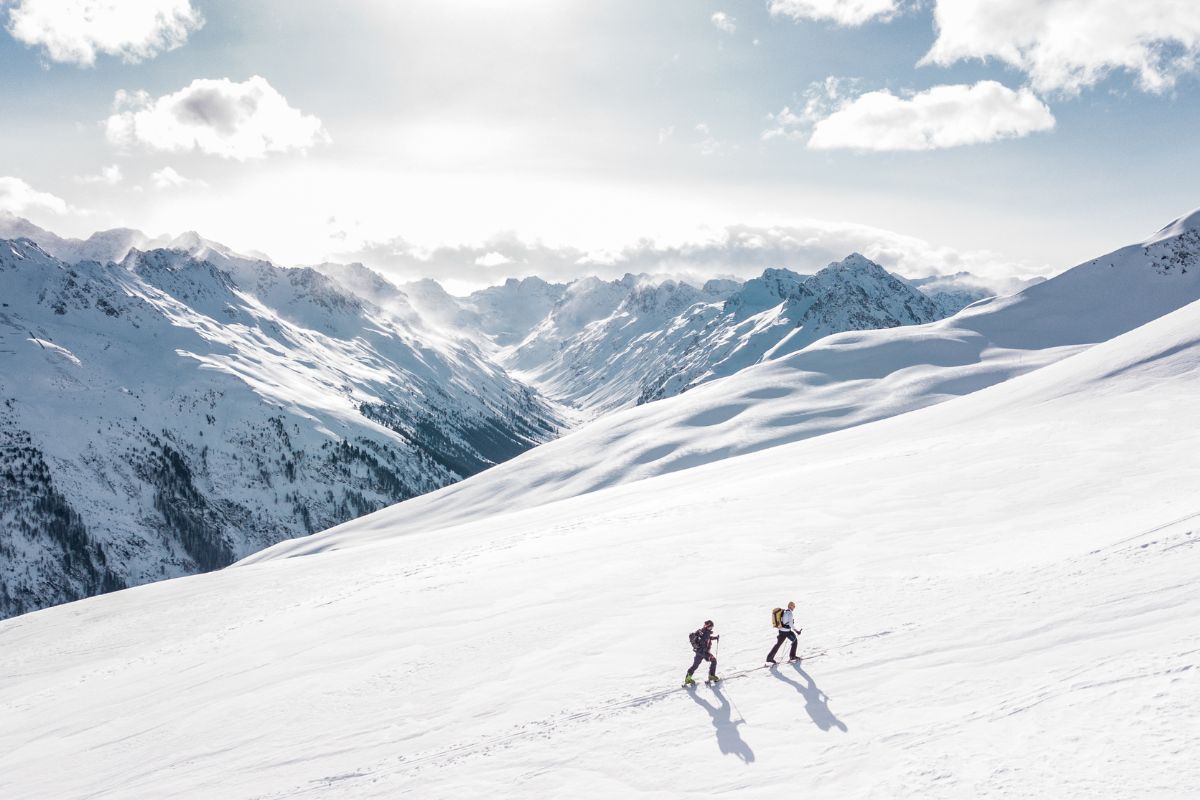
x=713 y=679
x=688 y=681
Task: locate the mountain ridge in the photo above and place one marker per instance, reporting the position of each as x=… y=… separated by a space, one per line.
x=842 y=381
x=168 y=414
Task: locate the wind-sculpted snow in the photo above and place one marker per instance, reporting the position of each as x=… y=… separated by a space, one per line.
x=1001 y=589
x=170 y=414
x=841 y=381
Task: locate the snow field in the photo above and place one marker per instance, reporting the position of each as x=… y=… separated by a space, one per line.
x=1005 y=585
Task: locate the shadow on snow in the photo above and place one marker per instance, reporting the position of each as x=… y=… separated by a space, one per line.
x=816 y=702
x=728 y=738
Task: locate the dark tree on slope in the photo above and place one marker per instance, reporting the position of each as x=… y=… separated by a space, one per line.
x=59 y=559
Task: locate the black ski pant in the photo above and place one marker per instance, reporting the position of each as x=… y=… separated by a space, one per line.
x=784 y=635
x=700 y=657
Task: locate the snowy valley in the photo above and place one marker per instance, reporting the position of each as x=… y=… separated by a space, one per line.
x=171 y=406
x=989 y=524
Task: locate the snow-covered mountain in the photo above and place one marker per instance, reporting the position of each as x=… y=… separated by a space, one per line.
x=425 y=388
x=508 y=312
x=104 y=246
x=952 y=293
x=839 y=382
x=990 y=588
x=608 y=345
x=180 y=409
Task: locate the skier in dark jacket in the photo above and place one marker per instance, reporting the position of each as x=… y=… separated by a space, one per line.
x=785 y=633
x=701 y=641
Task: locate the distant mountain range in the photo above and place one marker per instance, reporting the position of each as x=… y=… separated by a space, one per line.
x=606 y=345
x=168 y=406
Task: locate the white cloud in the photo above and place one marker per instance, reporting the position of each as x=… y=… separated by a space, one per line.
x=1067 y=45
x=110 y=176
x=724 y=22
x=821 y=99
x=218 y=117
x=18 y=197
x=944 y=116
x=841 y=12
x=168 y=178
x=738 y=250
x=76 y=31
x=492 y=259
x=786 y=124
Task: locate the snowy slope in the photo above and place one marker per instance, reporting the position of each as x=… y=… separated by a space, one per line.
x=168 y=414
x=839 y=382
x=608 y=345
x=1001 y=590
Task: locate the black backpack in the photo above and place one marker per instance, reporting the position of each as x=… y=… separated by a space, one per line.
x=694 y=639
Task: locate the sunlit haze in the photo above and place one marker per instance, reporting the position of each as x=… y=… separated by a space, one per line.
x=381 y=132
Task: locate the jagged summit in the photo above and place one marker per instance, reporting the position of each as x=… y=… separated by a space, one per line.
x=859 y=270
x=856 y=262
x=531 y=283
x=774 y=286
x=23 y=247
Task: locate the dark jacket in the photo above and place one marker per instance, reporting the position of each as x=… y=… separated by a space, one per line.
x=704 y=638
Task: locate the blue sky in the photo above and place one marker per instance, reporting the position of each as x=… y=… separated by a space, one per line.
x=1049 y=131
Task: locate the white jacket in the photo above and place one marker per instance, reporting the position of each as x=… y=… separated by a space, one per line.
x=786 y=623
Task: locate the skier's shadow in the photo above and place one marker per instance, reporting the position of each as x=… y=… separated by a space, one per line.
x=728 y=738
x=816 y=702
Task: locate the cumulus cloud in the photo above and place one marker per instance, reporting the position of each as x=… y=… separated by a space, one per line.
x=218 y=117
x=724 y=22
x=841 y=12
x=741 y=251
x=76 y=31
x=18 y=197
x=109 y=176
x=492 y=259
x=1067 y=45
x=944 y=116
x=821 y=99
x=168 y=178
x=786 y=124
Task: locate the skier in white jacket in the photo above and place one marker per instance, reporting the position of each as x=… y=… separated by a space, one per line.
x=785 y=633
